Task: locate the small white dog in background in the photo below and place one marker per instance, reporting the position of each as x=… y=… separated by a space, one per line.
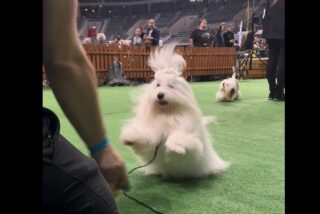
x=229 y=89
x=167 y=113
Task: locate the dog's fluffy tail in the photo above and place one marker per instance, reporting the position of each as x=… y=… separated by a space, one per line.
x=234 y=72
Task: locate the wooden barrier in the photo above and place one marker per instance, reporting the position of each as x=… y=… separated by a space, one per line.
x=209 y=61
x=258 y=70
x=200 y=61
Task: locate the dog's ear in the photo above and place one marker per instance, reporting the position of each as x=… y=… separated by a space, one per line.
x=222 y=87
x=180 y=64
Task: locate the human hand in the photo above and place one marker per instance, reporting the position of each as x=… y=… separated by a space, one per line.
x=112 y=168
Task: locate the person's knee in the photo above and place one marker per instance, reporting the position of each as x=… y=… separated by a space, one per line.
x=68 y=193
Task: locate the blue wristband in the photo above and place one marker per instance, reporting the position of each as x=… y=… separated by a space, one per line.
x=100 y=146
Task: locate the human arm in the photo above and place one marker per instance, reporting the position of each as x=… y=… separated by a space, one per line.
x=73 y=81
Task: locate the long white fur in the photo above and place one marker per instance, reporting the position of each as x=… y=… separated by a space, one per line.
x=186 y=145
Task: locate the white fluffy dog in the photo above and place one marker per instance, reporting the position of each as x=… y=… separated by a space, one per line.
x=167 y=113
x=229 y=89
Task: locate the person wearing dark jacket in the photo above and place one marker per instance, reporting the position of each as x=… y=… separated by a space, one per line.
x=218 y=40
x=229 y=37
x=201 y=37
x=274 y=33
x=152 y=36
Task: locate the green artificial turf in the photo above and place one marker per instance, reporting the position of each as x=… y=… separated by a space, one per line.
x=249 y=133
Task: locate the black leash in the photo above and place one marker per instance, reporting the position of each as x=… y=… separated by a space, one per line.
x=136 y=200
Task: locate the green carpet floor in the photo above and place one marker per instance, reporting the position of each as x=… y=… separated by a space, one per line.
x=249 y=134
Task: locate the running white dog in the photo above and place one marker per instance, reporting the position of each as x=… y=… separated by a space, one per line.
x=229 y=89
x=167 y=113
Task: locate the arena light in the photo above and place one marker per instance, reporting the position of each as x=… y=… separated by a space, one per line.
x=92 y=11
x=86 y=9
x=100 y=5
x=110 y=11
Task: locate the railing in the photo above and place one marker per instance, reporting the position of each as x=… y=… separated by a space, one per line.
x=200 y=61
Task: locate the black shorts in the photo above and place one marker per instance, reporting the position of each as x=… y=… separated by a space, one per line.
x=72 y=182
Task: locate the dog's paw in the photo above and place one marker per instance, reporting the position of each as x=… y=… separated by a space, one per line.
x=175 y=148
x=128 y=136
x=131 y=141
x=128 y=143
x=133 y=137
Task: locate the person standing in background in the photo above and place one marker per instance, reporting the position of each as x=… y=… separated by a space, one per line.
x=201 y=37
x=274 y=33
x=152 y=36
x=229 y=37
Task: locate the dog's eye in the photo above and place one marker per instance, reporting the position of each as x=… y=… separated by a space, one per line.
x=158 y=84
x=170 y=86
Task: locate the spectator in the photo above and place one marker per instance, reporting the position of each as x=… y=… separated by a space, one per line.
x=201 y=37
x=153 y=34
x=218 y=40
x=101 y=38
x=137 y=40
x=229 y=36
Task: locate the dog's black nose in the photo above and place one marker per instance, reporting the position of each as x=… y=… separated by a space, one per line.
x=232 y=91
x=160 y=95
